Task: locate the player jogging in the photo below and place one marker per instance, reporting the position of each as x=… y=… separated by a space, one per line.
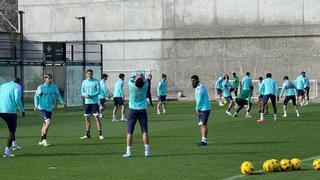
x=269 y=89
x=43 y=100
x=162 y=94
x=90 y=90
x=138 y=86
x=104 y=94
x=235 y=84
x=227 y=89
x=290 y=90
x=118 y=98
x=10 y=95
x=218 y=86
x=300 y=85
x=203 y=107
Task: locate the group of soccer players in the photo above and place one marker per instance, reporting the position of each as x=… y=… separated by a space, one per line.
x=95 y=93
x=268 y=89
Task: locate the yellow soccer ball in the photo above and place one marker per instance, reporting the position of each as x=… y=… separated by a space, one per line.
x=296 y=163
x=316 y=164
x=225 y=102
x=268 y=166
x=275 y=164
x=246 y=168
x=285 y=164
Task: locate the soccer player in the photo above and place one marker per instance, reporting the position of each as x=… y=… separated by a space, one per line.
x=246 y=82
x=269 y=89
x=104 y=93
x=203 y=107
x=227 y=89
x=260 y=97
x=162 y=94
x=138 y=86
x=118 y=98
x=149 y=89
x=218 y=86
x=235 y=84
x=306 y=88
x=300 y=85
x=290 y=90
x=242 y=99
x=90 y=90
x=43 y=100
x=10 y=95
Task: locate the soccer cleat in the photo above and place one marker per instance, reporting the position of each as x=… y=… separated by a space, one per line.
x=158 y=113
x=40 y=143
x=260 y=120
x=235 y=114
x=307 y=102
x=229 y=113
x=15 y=148
x=101 y=137
x=126 y=155
x=274 y=119
x=284 y=115
x=8 y=155
x=85 y=137
x=298 y=115
x=114 y=120
x=45 y=143
x=221 y=104
x=202 y=143
x=101 y=116
x=248 y=116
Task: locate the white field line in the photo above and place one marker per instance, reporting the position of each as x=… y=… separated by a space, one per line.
x=260 y=171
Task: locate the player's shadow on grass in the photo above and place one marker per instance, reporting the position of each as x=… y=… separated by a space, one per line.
x=254 y=143
x=68 y=154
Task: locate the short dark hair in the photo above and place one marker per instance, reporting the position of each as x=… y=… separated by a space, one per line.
x=139 y=83
x=195 y=77
x=48 y=75
x=164 y=76
x=17 y=80
x=89 y=70
x=303 y=72
x=121 y=76
x=286 y=78
x=150 y=75
x=268 y=75
x=234 y=74
x=104 y=76
x=248 y=73
x=260 y=78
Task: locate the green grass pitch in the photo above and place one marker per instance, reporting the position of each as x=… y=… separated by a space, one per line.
x=173 y=143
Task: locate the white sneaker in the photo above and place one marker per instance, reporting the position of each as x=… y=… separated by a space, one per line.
x=126 y=155
x=274 y=119
x=123 y=119
x=147 y=154
x=40 y=143
x=307 y=102
x=220 y=104
x=8 y=155
x=285 y=115
x=229 y=113
x=158 y=113
x=248 y=116
x=15 y=148
x=298 y=115
x=45 y=143
x=84 y=137
x=114 y=120
x=101 y=116
x=101 y=137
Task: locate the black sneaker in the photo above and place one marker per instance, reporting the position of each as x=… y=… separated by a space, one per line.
x=202 y=143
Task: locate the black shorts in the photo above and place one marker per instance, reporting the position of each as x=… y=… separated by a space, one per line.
x=288 y=98
x=219 y=91
x=300 y=92
x=162 y=99
x=102 y=102
x=203 y=117
x=137 y=115
x=260 y=97
x=118 y=101
x=266 y=98
x=91 y=109
x=11 y=120
x=307 y=89
x=45 y=114
x=228 y=99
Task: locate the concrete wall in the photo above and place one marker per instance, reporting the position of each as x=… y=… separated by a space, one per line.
x=185 y=37
x=8 y=15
